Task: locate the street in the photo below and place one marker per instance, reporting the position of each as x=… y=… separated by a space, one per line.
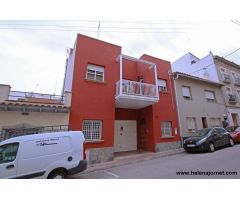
x=222 y=164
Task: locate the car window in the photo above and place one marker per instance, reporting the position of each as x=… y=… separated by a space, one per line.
x=8 y=152
x=220 y=130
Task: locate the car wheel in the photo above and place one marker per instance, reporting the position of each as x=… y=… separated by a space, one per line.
x=211 y=147
x=231 y=142
x=58 y=174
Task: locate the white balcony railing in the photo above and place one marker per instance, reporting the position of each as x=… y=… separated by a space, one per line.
x=136 y=89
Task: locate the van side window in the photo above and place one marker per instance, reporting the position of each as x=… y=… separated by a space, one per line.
x=8 y=152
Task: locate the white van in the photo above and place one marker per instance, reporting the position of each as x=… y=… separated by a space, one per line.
x=46 y=155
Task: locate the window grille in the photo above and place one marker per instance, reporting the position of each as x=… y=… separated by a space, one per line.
x=92 y=129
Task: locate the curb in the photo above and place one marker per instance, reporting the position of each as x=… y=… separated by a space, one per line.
x=136 y=160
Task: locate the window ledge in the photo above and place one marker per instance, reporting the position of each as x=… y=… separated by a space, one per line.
x=93 y=141
x=168 y=136
x=94 y=81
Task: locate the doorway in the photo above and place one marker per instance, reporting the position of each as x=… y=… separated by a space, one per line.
x=125 y=135
x=235 y=119
x=204 y=122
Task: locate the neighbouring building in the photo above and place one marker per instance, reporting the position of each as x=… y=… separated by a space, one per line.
x=217 y=69
x=23 y=112
x=120 y=103
x=229 y=75
x=200 y=103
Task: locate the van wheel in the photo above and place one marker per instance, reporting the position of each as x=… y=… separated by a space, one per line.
x=231 y=142
x=58 y=174
x=211 y=147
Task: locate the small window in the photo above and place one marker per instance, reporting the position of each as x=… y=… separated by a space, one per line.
x=166 y=128
x=210 y=96
x=215 y=122
x=191 y=124
x=162 y=85
x=8 y=152
x=220 y=130
x=95 y=73
x=92 y=129
x=186 y=91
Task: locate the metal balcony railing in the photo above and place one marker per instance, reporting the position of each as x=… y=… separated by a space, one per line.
x=232 y=98
x=226 y=78
x=136 y=89
x=28 y=96
x=10 y=133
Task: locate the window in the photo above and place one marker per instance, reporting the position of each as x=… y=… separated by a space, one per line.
x=215 y=122
x=210 y=96
x=166 y=128
x=162 y=85
x=228 y=91
x=8 y=152
x=186 y=92
x=95 y=73
x=191 y=124
x=92 y=129
x=238 y=93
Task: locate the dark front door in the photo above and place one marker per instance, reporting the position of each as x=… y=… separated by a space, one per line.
x=204 y=122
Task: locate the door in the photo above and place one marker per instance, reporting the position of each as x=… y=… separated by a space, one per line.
x=235 y=119
x=125 y=135
x=223 y=137
x=8 y=160
x=204 y=122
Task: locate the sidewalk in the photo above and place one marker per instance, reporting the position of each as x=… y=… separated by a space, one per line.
x=130 y=159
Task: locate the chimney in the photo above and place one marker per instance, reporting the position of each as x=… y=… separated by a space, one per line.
x=4 y=92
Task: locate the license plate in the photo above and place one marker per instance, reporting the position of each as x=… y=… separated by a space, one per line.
x=190 y=145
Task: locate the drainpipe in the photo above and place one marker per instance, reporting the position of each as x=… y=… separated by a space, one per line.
x=179 y=118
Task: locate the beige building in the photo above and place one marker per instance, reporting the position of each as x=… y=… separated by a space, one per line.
x=200 y=103
x=22 y=111
x=229 y=75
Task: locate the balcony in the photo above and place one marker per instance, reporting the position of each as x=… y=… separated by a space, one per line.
x=232 y=98
x=226 y=78
x=237 y=81
x=135 y=95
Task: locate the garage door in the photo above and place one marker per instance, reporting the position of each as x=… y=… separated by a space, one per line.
x=125 y=135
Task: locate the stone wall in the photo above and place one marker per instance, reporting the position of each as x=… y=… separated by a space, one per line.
x=167 y=146
x=98 y=155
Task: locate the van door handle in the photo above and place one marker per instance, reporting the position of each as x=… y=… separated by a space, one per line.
x=10 y=167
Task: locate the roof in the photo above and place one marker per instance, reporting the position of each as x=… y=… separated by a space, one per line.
x=228 y=62
x=32 y=107
x=196 y=78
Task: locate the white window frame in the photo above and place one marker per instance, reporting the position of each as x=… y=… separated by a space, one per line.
x=189 y=91
x=162 y=87
x=96 y=70
x=88 y=132
x=210 y=95
x=193 y=124
x=166 y=129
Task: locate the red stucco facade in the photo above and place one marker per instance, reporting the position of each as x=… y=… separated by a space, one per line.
x=96 y=100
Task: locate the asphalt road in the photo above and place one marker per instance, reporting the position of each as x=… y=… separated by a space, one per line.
x=221 y=164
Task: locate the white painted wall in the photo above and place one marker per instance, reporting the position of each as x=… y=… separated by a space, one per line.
x=184 y=65
x=67 y=87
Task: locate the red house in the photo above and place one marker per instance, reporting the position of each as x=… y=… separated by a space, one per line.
x=120 y=103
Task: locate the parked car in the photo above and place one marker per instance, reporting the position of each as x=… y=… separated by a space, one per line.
x=208 y=139
x=234 y=132
x=47 y=155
